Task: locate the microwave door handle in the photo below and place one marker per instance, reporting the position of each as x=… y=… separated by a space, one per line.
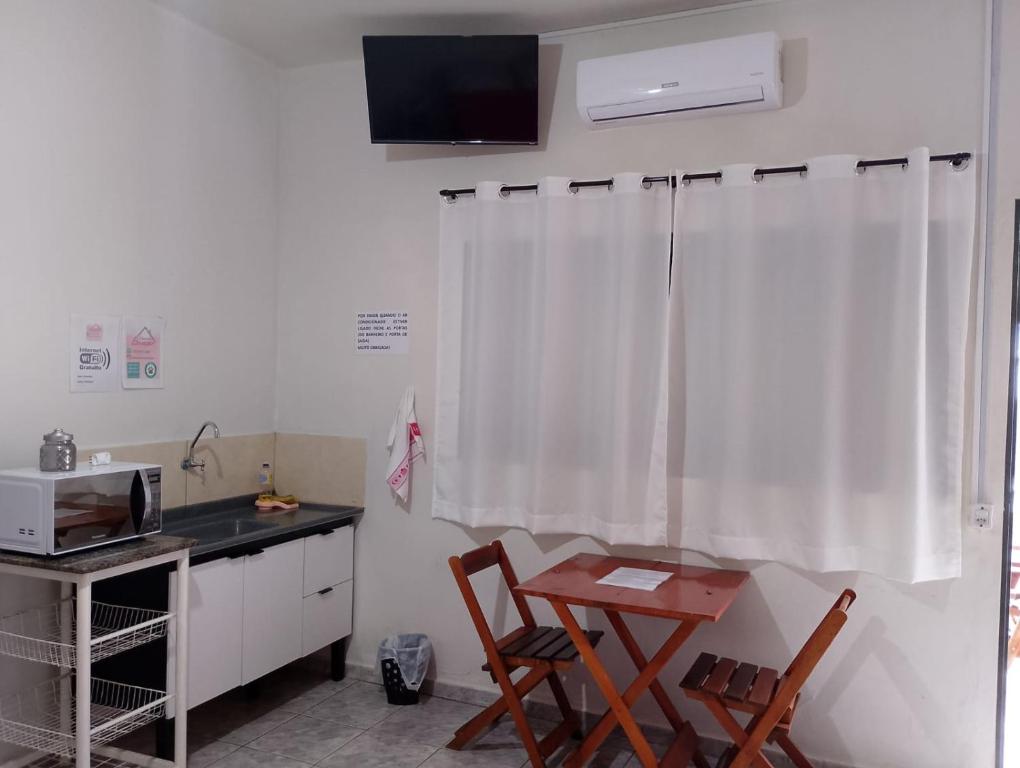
x=147 y=489
x=139 y=517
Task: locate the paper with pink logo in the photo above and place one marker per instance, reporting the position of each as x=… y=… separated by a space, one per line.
x=93 y=353
x=142 y=359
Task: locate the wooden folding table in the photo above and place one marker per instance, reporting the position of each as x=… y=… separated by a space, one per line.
x=690 y=596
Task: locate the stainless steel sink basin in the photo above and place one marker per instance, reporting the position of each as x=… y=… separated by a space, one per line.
x=224 y=529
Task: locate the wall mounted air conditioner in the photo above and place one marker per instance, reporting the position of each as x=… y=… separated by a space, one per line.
x=734 y=74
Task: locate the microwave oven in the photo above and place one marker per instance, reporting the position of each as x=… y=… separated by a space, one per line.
x=52 y=513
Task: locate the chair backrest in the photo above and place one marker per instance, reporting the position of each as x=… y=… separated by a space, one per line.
x=480 y=559
x=796 y=675
x=811 y=653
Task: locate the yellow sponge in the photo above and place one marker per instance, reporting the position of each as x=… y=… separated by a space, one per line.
x=269 y=501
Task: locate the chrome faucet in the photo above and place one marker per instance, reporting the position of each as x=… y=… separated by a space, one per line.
x=189 y=461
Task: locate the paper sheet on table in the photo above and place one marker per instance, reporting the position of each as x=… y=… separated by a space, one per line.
x=634 y=578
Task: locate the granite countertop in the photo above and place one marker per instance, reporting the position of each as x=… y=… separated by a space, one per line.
x=209 y=530
x=230 y=525
x=101 y=558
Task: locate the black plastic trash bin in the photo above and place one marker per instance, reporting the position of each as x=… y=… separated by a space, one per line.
x=393 y=681
x=404 y=660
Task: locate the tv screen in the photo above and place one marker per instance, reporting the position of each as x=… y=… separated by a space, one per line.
x=452 y=90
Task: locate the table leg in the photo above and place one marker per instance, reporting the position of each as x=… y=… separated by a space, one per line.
x=338 y=659
x=83 y=674
x=655 y=687
x=616 y=703
x=67 y=620
x=181 y=666
x=634 y=651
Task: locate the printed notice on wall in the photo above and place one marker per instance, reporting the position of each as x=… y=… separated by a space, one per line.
x=93 y=353
x=142 y=358
x=381 y=333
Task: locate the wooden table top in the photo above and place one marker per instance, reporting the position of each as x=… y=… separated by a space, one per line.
x=690 y=593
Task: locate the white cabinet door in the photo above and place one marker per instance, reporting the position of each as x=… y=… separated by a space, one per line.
x=214 y=629
x=327 y=616
x=272 y=609
x=329 y=559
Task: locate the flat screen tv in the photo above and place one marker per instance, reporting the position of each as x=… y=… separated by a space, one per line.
x=452 y=90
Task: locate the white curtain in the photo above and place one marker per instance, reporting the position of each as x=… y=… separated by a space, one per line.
x=551 y=409
x=816 y=396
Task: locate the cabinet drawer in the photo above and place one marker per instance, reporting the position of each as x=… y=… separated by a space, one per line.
x=327 y=616
x=329 y=559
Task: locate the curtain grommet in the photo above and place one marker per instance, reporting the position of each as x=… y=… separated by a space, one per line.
x=959 y=163
x=571 y=187
x=718 y=179
x=803 y=174
x=860 y=169
x=684 y=181
x=612 y=183
x=504 y=191
x=758 y=177
x=645 y=183
x=450 y=199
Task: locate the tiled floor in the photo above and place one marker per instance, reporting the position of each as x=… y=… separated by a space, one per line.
x=299 y=719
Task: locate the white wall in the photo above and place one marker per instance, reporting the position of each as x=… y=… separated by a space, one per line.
x=912 y=680
x=137 y=175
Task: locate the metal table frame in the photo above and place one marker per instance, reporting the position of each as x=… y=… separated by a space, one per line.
x=177 y=701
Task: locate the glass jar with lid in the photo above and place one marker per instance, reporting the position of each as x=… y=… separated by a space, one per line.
x=58 y=452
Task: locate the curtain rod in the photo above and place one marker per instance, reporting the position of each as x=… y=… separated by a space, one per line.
x=958 y=160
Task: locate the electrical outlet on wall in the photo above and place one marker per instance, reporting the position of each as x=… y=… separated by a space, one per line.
x=982 y=516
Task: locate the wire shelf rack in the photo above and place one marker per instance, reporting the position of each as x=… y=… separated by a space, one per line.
x=47 y=634
x=96 y=761
x=42 y=718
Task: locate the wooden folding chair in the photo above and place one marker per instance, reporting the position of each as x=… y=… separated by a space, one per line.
x=545 y=651
x=771 y=700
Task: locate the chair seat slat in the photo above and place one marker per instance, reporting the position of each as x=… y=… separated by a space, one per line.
x=571 y=651
x=514 y=636
x=764 y=687
x=551 y=650
x=515 y=647
x=535 y=648
x=720 y=676
x=741 y=681
x=698 y=672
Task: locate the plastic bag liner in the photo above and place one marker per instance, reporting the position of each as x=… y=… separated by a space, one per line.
x=412 y=654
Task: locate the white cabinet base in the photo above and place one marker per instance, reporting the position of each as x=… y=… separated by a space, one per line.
x=251 y=614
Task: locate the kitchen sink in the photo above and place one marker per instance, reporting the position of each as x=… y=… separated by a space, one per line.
x=223 y=529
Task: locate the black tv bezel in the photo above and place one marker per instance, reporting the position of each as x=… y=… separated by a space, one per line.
x=447 y=142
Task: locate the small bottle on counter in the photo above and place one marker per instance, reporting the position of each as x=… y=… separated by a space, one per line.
x=266 y=475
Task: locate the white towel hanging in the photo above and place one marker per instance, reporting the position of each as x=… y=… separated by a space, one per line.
x=405 y=444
